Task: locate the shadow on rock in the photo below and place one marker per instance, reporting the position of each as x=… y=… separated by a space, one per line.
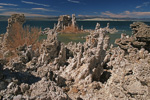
x=21 y=77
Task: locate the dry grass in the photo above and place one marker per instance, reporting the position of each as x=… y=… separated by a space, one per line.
x=19 y=35
x=71 y=29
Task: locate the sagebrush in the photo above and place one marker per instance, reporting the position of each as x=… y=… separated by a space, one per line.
x=19 y=36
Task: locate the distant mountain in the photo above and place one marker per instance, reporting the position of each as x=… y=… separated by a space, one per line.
x=42 y=18
x=81 y=18
x=4 y=18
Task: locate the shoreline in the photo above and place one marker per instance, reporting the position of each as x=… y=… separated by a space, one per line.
x=92 y=70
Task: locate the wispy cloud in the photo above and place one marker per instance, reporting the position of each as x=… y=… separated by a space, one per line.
x=26 y=14
x=8 y=4
x=43 y=9
x=34 y=3
x=2 y=9
x=126 y=14
x=95 y=12
x=138 y=6
x=74 y=1
x=89 y=16
x=142 y=13
x=143 y=5
x=120 y=15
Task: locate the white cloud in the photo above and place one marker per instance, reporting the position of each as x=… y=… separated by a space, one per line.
x=146 y=3
x=126 y=14
x=43 y=9
x=74 y=1
x=138 y=6
x=95 y=15
x=143 y=5
x=8 y=4
x=2 y=9
x=34 y=3
x=95 y=12
x=142 y=13
x=113 y=15
x=26 y=14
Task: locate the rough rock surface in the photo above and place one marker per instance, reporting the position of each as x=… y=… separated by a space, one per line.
x=67 y=24
x=139 y=39
x=87 y=63
x=47 y=90
x=124 y=82
x=93 y=70
x=130 y=65
x=73 y=20
x=15 y=18
x=63 y=21
x=20 y=18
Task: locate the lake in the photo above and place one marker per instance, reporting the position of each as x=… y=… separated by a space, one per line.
x=121 y=26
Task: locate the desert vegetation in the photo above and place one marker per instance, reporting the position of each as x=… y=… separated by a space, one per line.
x=92 y=70
x=19 y=36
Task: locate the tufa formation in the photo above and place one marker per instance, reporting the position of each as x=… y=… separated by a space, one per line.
x=93 y=70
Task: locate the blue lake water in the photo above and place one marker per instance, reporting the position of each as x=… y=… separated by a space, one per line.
x=121 y=26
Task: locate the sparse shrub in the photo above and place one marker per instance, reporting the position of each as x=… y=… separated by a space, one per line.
x=19 y=35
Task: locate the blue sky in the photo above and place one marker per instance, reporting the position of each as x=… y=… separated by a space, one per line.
x=101 y=8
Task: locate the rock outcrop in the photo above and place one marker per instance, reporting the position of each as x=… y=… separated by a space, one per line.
x=73 y=20
x=63 y=21
x=129 y=65
x=67 y=24
x=126 y=71
x=87 y=63
x=93 y=70
x=139 y=39
x=15 y=18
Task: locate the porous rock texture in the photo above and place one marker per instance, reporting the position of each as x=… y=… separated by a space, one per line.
x=93 y=70
x=139 y=39
x=68 y=24
x=15 y=18
x=130 y=66
x=20 y=18
x=63 y=21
